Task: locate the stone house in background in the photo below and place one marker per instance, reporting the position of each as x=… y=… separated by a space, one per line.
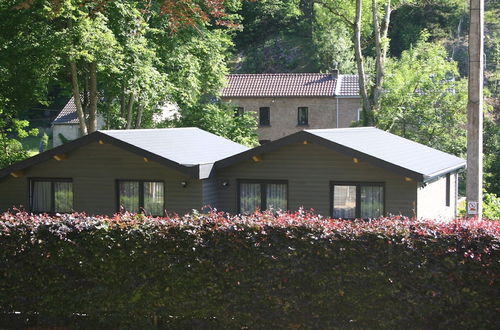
x=286 y=103
x=66 y=124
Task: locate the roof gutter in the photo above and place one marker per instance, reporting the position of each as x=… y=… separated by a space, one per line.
x=434 y=175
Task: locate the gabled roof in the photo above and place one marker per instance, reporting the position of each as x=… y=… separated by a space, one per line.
x=290 y=84
x=189 y=150
x=68 y=114
x=372 y=145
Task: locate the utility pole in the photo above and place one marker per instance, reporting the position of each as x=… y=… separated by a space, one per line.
x=474 y=184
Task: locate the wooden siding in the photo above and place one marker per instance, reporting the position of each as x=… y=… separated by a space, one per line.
x=431 y=199
x=309 y=169
x=94 y=169
x=210 y=192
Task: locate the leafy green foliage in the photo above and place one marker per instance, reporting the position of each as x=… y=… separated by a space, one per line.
x=491 y=206
x=491 y=156
x=425 y=99
x=259 y=271
x=441 y=18
x=12 y=129
x=333 y=43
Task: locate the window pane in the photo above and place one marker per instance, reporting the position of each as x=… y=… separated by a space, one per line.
x=249 y=197
x=264 y=116
x=129 y=195
x=41 y=196
x=372 y=201
x=63 y=196
x=303 y=113
x=276 y=196
x=344 y=201
x=154 y=198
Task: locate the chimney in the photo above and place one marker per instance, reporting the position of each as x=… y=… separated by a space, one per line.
x=335 y=70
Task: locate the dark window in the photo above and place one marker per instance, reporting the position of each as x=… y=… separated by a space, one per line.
x=303 y=116
x=51 y=195
x=264 y=116
x=262 y=195
x=238 y=111
x=448 y=182
x=137 y=196
x=357 y=200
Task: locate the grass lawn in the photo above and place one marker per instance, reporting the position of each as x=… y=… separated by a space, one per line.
x=31 y=144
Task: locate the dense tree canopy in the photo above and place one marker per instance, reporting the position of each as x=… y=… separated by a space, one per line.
x=425 y=98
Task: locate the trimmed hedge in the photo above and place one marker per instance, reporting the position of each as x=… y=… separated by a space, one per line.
x=260 y=271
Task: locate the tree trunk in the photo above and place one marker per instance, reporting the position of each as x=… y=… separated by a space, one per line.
x=140 y=110
x=93 y=98
x=130 y=109
x=123 y=103
x=380 y=50
x=367 y=115
x=76 y=97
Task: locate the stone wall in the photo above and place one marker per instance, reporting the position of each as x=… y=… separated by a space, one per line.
x=283 y=113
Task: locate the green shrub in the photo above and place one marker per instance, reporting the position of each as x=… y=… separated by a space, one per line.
x=259 y=271
x=491 y=206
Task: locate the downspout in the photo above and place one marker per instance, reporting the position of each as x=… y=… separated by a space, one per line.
x=337 y=92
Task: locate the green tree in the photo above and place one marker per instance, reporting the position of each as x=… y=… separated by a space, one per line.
x=425 y=99
x=115 y=49
x=11 y=129
x=491 y=160
x=219 y=118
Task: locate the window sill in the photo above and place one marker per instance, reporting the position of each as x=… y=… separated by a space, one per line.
x=302 y=125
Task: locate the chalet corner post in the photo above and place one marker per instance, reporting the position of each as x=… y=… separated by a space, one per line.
x=474 y=185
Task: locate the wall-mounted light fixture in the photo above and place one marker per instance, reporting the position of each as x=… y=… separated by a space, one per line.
x=60 y=157
x=225 y=183
x=355 y=160
x=17 y=174
x=184 y=184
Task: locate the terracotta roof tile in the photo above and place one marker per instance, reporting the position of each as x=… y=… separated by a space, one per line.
x=286 y=84
x=349 y=85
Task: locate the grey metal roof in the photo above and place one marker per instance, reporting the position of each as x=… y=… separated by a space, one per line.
x=68 y=114
x=393 y=149
x=189 y=150
x=376 y=147
x=186 y=146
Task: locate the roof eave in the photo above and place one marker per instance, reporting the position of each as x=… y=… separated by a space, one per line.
x=439 y=173
x=304 y=135
x=94 y=137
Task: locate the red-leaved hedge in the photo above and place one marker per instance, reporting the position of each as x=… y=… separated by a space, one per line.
x=294 y=270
